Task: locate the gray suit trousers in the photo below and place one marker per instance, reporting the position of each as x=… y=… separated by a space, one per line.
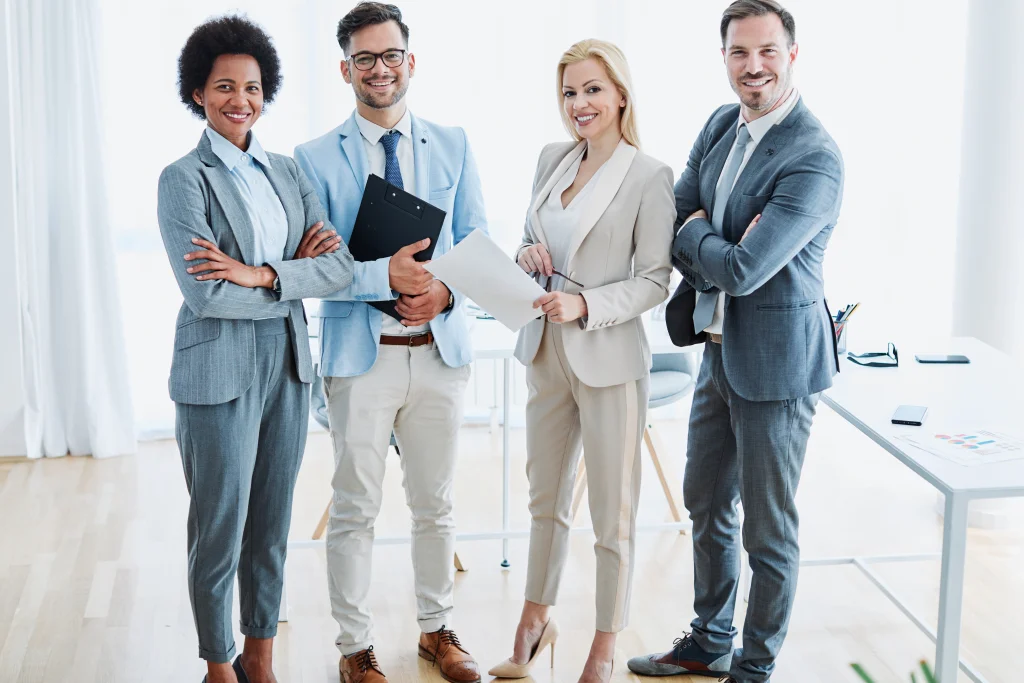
x=750 y=452
x=241 y=459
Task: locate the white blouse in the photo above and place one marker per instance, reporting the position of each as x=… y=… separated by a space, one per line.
x=560 y=223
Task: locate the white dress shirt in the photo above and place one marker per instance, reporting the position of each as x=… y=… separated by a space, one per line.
x=269 y=222
x=757 y=128
x=266 y=212
x=372 y=133
x=560 y=223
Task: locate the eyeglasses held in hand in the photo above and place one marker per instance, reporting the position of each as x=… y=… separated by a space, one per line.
x=365 y=61
x=891 y=353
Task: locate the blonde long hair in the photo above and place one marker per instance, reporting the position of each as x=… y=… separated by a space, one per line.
x=614 y=62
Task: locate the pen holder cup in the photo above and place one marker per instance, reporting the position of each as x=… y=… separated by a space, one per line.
x=841 y=330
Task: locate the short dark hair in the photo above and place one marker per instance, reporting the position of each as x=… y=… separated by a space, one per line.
x=369 y=14
x=741 y=9
x=227 y=35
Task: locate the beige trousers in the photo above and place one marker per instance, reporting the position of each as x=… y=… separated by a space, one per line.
x=413 y=392
x=562 y=414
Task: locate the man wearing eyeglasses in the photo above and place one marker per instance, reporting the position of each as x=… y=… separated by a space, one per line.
x=756 y=205
x=382 y=375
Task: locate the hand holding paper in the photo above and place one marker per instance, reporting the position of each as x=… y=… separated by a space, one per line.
x=479 y=269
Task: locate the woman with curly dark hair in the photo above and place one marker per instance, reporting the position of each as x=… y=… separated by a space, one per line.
x=247 y=240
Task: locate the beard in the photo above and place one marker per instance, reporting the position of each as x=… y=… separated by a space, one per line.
x=382 y=100
x=763 y=101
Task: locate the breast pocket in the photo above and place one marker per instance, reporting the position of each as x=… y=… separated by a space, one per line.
x=743 y=208
x=442 y=198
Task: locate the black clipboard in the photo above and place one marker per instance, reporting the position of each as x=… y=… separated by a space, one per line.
x=390 y=218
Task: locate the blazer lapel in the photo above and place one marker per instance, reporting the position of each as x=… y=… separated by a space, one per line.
x=545 y=191
x=230 y=200
x=715 y=163
x=612 y=175
x=288 y=193
x=421 y=159
x=354 y=151
x=777 y=137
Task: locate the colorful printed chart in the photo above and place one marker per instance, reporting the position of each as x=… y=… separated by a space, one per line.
x=969 y=448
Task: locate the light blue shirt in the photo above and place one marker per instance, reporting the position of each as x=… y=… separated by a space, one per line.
x=269 y=222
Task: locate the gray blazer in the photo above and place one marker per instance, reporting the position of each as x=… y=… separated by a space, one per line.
x=214 y=345
x=778 y=340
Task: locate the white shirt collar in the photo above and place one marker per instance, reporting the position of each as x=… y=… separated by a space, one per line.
x=759 y=127
x=230 y=155
x=373 y=133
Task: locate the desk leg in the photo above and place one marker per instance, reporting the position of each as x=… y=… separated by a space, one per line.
x=951 y=588
x=505 y=456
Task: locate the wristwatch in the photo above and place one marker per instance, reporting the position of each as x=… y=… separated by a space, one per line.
x=451 y=302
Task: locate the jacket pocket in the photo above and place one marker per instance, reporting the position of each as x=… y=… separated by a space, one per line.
x=196 y=332
x=783 y=308
x=440 y=193
x=335 y=309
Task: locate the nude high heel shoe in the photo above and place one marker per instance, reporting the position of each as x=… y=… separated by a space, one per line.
x=509 y=669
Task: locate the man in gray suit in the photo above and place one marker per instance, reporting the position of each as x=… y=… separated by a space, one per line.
x=771 y=179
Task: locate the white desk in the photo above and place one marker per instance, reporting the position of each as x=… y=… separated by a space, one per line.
x=973 y=396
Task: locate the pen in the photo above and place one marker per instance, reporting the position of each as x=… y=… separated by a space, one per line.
x=848 y=313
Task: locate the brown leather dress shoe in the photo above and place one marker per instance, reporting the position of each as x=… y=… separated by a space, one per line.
x=361 y=667
x=443 y=649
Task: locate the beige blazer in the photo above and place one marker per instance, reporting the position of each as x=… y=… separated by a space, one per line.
x=620 y=252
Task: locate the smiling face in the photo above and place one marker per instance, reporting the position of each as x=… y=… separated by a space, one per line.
x=382 y=86
x=232 y=97
x=590 y=100
x=759 y=60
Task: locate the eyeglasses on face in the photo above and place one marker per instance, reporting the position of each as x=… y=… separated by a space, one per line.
x=365 y=61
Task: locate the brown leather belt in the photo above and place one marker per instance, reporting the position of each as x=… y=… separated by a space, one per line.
x=714 y=338
x=407 y=340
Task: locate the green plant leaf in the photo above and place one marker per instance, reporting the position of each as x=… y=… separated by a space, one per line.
x=928 y=676
x=860 y=672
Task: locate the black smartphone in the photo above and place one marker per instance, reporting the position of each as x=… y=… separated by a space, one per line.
x=941 y=358
x=909 y=415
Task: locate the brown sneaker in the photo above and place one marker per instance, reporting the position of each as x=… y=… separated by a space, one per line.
x=443 y=648
x=361 y=667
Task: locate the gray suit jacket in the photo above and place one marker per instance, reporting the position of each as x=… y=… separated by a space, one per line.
x=215 y=346
x=778 y=340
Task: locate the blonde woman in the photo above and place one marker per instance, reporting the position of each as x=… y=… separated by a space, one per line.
x=598 y=236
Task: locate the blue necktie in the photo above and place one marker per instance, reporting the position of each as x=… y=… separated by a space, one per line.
x=704 y=310
x=392 y=171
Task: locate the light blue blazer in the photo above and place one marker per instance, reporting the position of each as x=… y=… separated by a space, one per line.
x=446 y=176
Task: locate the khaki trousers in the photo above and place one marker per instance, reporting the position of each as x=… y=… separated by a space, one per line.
x=413 y=392
x=563 y=415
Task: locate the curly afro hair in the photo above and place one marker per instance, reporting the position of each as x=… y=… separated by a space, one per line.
x=227 y=35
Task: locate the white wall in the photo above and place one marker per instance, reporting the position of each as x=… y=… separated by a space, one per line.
x=12 y=389
x=989 y=302
x=868 y=70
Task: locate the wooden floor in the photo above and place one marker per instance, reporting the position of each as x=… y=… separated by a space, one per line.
x=92 y=572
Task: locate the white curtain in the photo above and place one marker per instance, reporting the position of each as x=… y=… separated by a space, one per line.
x=77 y=399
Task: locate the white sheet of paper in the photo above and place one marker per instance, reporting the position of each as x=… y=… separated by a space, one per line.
x=479 y=269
